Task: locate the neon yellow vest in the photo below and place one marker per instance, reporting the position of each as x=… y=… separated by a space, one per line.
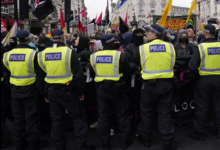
x=210 y=58
x=157 y=60
x=20 y=62
x=56 y=62
x=106 y=65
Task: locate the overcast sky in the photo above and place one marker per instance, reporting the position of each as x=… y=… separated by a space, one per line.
x=98 y=6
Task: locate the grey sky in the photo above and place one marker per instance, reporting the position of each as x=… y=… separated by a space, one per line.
x=98 y=6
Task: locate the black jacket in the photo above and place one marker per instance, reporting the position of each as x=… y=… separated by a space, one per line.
x=180 y=51
x=124 y=66
x=195 y=60
x=134 y=53
x=83 y=49
x=76 y=70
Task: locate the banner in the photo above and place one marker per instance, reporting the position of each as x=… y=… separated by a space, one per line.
x=3 y=25
x=176 y=22
x=7 y=2
x=13 y=32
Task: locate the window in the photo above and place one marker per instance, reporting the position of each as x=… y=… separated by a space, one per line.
x=152 y=11
x=152 y=8
x=141 y=10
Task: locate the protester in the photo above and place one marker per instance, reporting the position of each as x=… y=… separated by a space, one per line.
x=133 y=48
x=200 y=37
x=92 y=46
x=83 y=51
x=173 y=37
x=182 y=46
x=43 y=43
x=13 y=43
x=165 y=37
x=117 y=43
x=127 y=39
x=191 y=36
x=33 y=42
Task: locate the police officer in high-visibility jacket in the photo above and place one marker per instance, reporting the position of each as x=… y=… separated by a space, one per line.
x=157 y=59
x=205 y=65
x=21 y=64
x=62 y=72
x=110 y=68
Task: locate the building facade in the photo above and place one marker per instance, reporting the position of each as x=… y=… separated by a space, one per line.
x=143 y=9
x=208 y=9
x=35 y=26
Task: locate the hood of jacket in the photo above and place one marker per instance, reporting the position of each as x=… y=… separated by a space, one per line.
x=83 y=44
x=128 y=38
x=182 y=31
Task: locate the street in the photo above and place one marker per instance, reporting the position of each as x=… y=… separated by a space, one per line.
x=184 y=143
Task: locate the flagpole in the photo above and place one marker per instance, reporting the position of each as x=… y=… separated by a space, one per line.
x=170 y=19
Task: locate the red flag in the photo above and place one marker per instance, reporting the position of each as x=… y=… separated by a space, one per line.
x=99 y=19
x=126 y=18
x=62 y=22
x=83 y=13
x=80 y=26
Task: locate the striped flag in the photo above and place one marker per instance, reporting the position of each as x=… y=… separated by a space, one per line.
x=12 y=33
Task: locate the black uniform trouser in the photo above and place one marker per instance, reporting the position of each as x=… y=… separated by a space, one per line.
x=156 y=97
x=59 y=103
x=5 y=107
x=106 y=101
x=207 y=91
x=4 y=100
x=25 y=110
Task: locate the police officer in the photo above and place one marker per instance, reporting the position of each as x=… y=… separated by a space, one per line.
x=205 y=64
x=21 y=64
x=157 y=59
x=110 y=68
x=61 y=70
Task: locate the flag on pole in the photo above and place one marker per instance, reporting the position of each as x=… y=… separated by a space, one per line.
x=166 y=10
x=192 y=8
x=126 y=18
x=62 y=22
x=42 y=8
x=99 y=19
x=107 y=14
x=80 y=26
x=83 y=13
x=12 y=33
x=115 y=20
x=122 y=2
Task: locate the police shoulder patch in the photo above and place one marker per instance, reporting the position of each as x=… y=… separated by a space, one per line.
x=157 y=48
x=53 y=56
x=104 y=59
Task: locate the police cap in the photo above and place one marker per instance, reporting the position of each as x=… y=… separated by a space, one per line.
x=210 y=29
x=25 y=34
x=107 y=38
x=155 y=28
x=57 y=34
